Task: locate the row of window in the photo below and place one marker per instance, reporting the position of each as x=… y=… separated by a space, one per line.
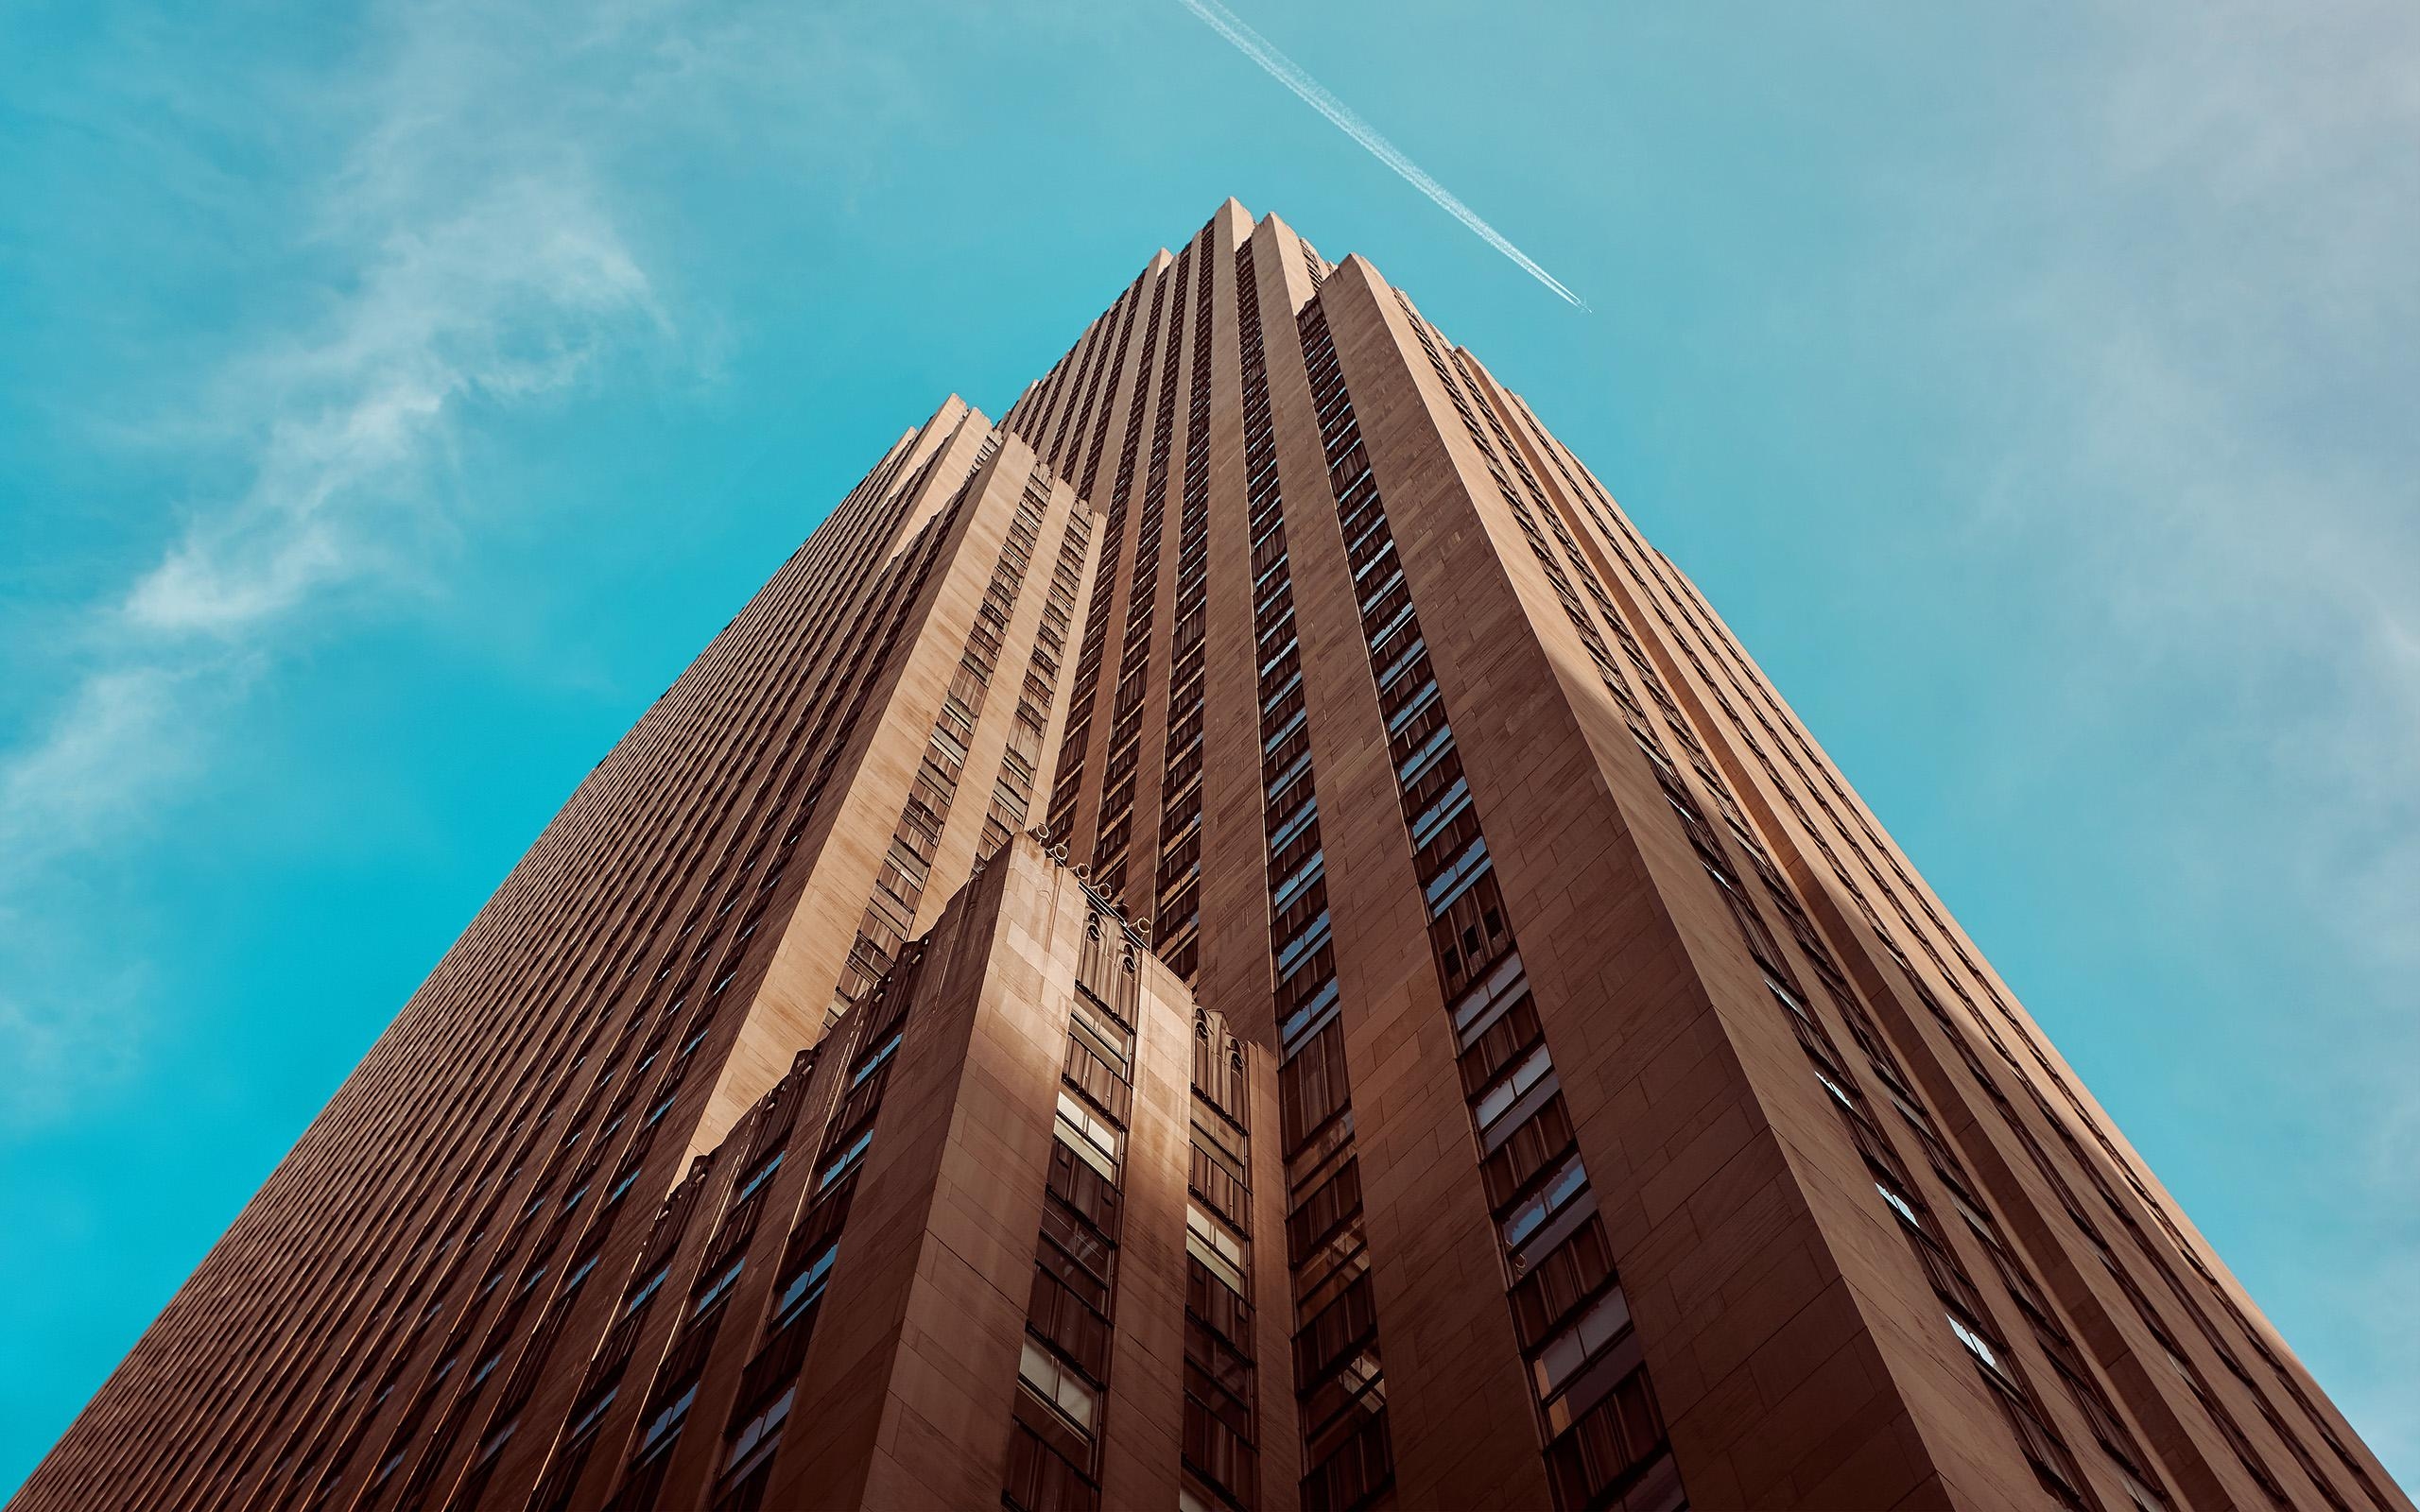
x=901 y=593
x=1055 y=397
x=536 y=1260
x=821 y=562
x=1967 y=1316
x=769 y=1384
x=1176 y=880
x=770 y=1381
x=1348 y=1453
x=1113 y=824
x=2091 y=1399
x=1106 y=390
x=625 y=1112
x=1063 y=1370
x=1316 y=265
x=601 y=1382
x=1221 y=1440
x=1076 y=743
x=2050 y=1457
x=1012 y=793
x=1587 y=1373
x=1847 y=819
x=899 y=887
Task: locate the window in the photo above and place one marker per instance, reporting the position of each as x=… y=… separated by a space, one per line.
x=1045 y=1465
x=1215 y=1245
x=1418 y=762
x=1059 y=1384
x=1064 y=1310
x=874 y=1062
x=1308 y=1004
x=1303 y=943
x=1286 y=832
x=1560 y=1189
x=647 y=1290
x=1617 y=1441
x=493 y=1444
x=720 y=1287
x=756 y=1182
x=806 y=1286
x=1482 y=1006
x=1285 y=892
x=1978 y=1346
x=668 y=1422
x=842 y=1162
x=1900 y=1205
x=1457 y=877
x=762 y=1432
x=1335 y=1355
x=1103 y=1034
x=594 y=1414
x=580 y=1273
x=1577 y=1344
x=1788 y=999
x=1420 y=699
x=1444 y=808
x=1507 y=1089
x=1088 y=1134
x=486 y=1369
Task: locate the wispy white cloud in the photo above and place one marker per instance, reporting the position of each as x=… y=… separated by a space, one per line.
x=116 y=738
x=1318 y=98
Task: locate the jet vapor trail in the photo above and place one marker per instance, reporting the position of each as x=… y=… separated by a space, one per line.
x=1286 y=72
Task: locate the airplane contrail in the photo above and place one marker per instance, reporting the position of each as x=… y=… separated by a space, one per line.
x=1286 y=72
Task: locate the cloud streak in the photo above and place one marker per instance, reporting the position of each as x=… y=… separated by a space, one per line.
x=1317 y=96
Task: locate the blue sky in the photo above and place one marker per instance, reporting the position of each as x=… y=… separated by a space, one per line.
x=394 y=397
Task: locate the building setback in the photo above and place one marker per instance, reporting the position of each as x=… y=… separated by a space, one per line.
x=1234 y=940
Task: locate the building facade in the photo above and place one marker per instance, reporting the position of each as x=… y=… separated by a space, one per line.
x=1235 y=939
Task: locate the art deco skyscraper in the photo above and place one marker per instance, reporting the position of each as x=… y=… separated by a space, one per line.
x=1236 y=939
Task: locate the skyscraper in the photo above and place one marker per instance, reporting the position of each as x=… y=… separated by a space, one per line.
x=1234 y=940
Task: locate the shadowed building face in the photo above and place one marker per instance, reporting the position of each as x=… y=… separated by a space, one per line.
x=1233 y=940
